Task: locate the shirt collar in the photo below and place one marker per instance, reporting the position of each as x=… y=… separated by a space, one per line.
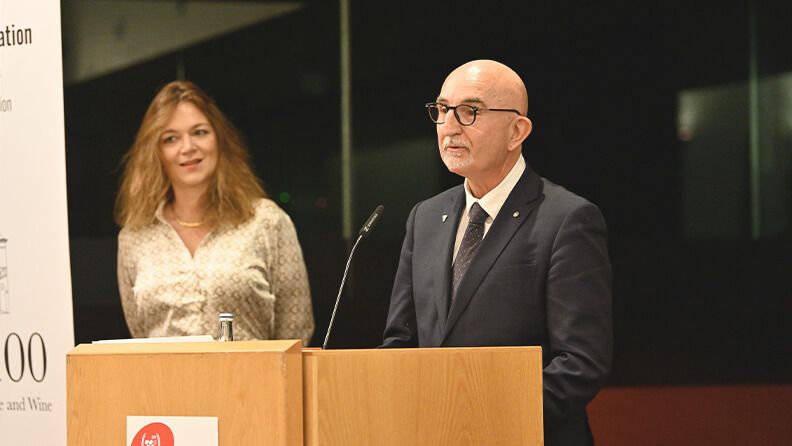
x=493 y=200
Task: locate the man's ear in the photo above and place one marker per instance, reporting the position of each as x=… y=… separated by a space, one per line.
x=520 y=129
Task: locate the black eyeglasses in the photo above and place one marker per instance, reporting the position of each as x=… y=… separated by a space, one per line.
x=465 y=114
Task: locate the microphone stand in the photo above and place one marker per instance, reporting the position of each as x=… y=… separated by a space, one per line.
x=364 y=232
x=340 y=290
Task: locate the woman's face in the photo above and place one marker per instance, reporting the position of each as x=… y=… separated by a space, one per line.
x=189 y=148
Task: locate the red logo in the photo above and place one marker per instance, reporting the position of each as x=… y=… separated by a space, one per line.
x=154 y=434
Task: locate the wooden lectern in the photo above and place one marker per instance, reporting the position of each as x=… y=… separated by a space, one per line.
x=254 y=388
x=417 y=397
x=272 y=393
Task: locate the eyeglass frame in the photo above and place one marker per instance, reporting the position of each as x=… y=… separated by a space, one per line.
x=453 y=108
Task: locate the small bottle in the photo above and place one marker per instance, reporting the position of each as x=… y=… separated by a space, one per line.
x=226 y=327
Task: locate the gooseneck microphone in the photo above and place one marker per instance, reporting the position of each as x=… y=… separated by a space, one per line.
x=363 y=233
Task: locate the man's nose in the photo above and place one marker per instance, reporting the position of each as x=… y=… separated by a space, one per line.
x=450 y=125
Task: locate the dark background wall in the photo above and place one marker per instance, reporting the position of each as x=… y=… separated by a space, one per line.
x=701 y=288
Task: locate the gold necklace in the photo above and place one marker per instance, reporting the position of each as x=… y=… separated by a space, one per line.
x=186 y=224
x=189 y=224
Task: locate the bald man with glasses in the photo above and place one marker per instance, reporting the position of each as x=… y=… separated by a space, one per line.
x=506 y=258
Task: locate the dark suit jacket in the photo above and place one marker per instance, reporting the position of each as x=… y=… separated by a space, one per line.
x=541 y=277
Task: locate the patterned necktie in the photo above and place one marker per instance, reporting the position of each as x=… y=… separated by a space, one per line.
x=470 y=243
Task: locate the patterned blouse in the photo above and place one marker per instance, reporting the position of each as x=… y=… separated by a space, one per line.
x=255 y=271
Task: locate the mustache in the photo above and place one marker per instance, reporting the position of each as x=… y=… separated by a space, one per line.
x=454 y=141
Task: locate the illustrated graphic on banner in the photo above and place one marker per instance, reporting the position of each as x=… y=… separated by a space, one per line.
x=36 y=327
x=5 y=293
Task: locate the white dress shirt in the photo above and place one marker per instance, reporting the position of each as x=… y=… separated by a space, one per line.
x=491 y=202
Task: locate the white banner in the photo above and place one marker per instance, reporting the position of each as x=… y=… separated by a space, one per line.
x=35 y=286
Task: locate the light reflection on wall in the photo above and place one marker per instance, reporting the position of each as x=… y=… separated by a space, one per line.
x=100 y=36
x=712 y=126
x=775 y=162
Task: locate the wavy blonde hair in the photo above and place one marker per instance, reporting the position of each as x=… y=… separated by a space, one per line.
x=144 y=184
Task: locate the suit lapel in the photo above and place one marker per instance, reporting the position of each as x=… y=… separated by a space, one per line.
x=452 y=210
x=520 y=202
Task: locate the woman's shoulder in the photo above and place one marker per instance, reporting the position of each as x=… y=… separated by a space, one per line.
x=268 y=212
x=130 y=236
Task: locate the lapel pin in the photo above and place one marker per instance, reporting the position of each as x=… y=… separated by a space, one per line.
x=444 y=217
x=516 y=214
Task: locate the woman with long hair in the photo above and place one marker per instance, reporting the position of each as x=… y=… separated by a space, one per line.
x=199 y=237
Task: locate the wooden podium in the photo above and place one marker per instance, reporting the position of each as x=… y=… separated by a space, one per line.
x=423 y=397
x=272 y=393
x=253 y=387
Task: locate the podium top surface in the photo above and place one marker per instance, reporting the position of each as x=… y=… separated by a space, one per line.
x=277 y=346
x=315 y=351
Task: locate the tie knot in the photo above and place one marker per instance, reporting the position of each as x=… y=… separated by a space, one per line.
x=477 y=214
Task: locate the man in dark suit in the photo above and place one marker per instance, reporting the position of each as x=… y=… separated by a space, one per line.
x=507 y=258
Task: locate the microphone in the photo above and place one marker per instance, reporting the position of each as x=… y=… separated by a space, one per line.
x=363 y=233
x=371 y=222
